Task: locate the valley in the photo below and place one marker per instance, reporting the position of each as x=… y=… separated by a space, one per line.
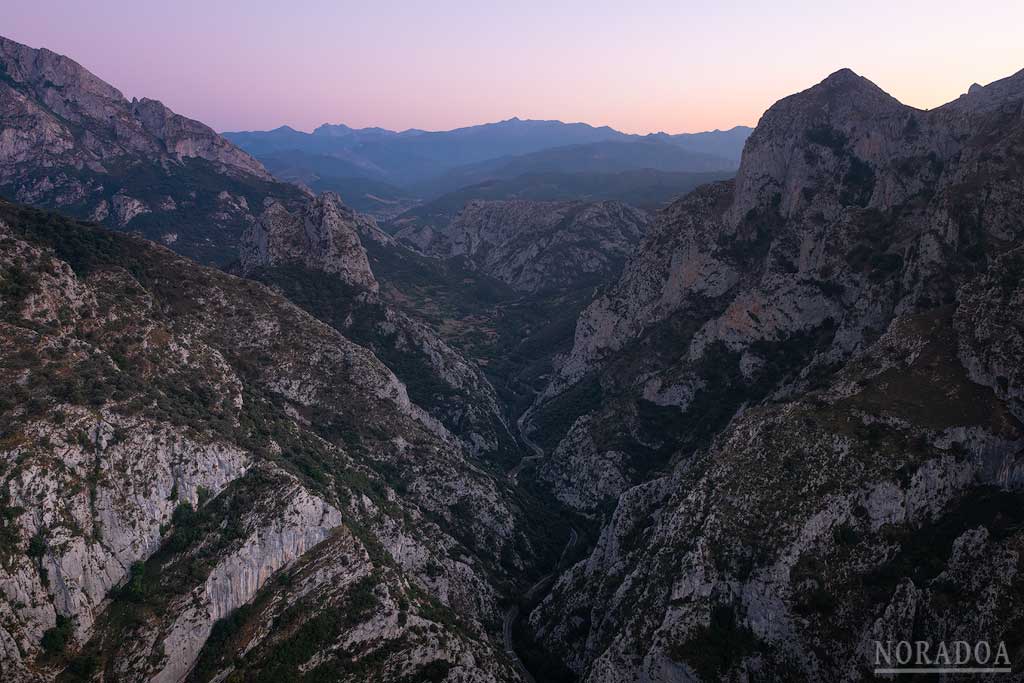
x=526 y=401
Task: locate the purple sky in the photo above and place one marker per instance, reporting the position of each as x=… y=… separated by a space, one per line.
x=639 y=67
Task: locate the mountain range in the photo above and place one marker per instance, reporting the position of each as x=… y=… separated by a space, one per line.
x=747 y=435
x=403 y=154
x=427 y=164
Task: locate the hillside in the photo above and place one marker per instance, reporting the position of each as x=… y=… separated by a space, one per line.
x=187 y=455
x=797 y=413
x=74 y=143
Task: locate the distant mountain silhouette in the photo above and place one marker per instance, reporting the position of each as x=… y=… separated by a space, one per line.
x=417 y=159
x=722 y=143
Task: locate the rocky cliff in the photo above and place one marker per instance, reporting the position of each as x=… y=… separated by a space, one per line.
x=185 y=455
x=797 y=410
x=70 y=141
x=323 y=235
x=536 y=246
x=316 y=258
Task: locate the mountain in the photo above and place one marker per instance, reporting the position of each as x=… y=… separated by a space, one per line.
x=749 y=436
x=536 y=246
x=412 y=155
x=328 y=138
x=296 y=166
x=416 y=158
x=797 y=414
x=727 y=144
x=199 y=479
x=72 y=142
x=322 y=173
x=324 y=236
x=599 y=157
x=644 y=188
x=316 y=258
x=341 y=131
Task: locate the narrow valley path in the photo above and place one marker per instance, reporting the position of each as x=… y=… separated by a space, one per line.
x=512 y=613
x=538 y=452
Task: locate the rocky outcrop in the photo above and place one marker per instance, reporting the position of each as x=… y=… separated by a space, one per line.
x=802 y=397
x=323 y=236
x=283 y=526
x=119 y=482
x=535 y=246
x=48 y=91
x=316 y=258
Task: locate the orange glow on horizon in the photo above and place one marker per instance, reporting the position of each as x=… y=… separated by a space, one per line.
x=663 y=65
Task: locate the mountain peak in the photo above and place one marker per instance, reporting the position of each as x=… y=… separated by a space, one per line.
x=842 y=76
x=845 y=114
x=333 y=130
x=846 y=82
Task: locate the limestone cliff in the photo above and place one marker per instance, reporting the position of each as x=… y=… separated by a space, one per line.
x=535 y=246
x=802 y=398
x=71 y=141
x=324 y=236
x=177 y=442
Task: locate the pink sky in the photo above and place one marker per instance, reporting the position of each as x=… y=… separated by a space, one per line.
x=639 y=67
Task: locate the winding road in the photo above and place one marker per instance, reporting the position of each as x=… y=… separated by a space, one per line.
x=538 y=452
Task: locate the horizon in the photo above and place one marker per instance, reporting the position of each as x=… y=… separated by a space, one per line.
x=520 y=119
x=257 y=66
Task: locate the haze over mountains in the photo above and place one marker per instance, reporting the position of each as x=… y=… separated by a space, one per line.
x=746 y=436
x=400 y=166
x=411 y=156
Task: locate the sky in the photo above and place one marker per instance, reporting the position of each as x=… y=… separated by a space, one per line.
x=639 y=66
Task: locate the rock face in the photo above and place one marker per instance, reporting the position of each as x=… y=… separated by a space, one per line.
x=535 y=246
x=324 y=236
x=802 y=397
x=50 y=91
x=183 y=451
x=316 y=258
x=71 y=141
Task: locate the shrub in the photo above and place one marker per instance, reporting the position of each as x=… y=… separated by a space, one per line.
x=55 y=640
x=715 y=648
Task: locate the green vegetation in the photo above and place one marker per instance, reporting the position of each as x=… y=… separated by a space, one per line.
x=340 y=305
x=858 y=183
x=305 y=636
x=544 y=665
x=829 y=137
x=717 y=647
x=923 y=552
x=55 y=640
x=561 y=412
